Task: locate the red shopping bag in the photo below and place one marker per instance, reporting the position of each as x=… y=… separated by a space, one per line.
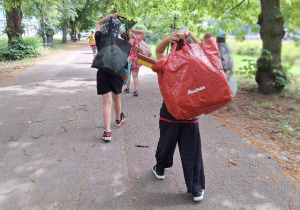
x=192 y=80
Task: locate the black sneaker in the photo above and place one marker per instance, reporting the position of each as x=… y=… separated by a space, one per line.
x=198 y=196
x=106 y=136
x=136 y=93
x=122 y=119
x=126 y=90
x=158 y=174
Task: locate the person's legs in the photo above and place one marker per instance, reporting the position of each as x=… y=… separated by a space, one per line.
x=117 y=105
x=169 y=133
x=127 y=90
x=136 y=83
x=94 y=49
x=107 y=103
x=191 y=157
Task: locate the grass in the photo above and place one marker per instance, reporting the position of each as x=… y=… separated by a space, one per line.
x=239 y=61
x=57 y=46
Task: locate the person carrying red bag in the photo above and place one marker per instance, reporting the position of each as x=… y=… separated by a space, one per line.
x=184 y=132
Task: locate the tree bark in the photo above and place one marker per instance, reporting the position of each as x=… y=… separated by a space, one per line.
x=14 y=23
x=64 y=29
x=270 y=76
x=73 y=29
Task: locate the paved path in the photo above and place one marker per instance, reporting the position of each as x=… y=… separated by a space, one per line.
x=52 y=155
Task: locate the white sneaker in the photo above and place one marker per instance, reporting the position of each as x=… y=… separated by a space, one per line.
x=158 y=174
x=198 y=196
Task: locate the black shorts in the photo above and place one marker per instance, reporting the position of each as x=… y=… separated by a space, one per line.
x=107 y=82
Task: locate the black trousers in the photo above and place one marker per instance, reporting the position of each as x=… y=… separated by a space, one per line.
x=188 y=137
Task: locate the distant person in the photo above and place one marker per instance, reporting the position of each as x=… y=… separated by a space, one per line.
x=79 y=36
x=208 y=35
x=227 y=62
x=92 y=43
x=225 y=53
x=109 y=86
x=135 y=36
x=184 y=132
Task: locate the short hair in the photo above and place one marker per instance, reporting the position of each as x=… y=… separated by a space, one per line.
x=221 y=39
x=208 y=35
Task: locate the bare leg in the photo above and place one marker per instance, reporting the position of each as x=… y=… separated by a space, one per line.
x=136 y=80
x=128 y=83
x=117 y=105
x=107 y=103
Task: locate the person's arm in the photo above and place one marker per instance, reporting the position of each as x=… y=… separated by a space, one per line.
x=139 y=34
x=173 y=37
x=103 y=20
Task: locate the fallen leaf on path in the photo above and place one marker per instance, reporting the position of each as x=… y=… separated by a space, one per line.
x=232 y=163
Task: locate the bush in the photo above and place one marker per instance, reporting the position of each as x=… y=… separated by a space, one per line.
x=19 y=48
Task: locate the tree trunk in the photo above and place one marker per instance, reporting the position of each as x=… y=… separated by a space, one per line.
x=64 y=29
x=270 y=76
x=73 y=29
x=14 y=23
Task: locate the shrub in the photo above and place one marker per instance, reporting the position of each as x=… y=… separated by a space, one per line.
x=19 y=48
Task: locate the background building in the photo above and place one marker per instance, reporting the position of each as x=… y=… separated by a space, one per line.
x=31 y=26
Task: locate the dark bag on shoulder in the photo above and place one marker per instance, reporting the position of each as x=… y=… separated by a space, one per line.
x=113 y=53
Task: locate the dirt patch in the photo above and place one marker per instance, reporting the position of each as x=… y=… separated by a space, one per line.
x=271 y=123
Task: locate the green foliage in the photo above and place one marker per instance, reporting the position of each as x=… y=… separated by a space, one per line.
x=19 y=48
x=248 y=71
x=280 y=77
x=232 y=105
x=268 y=115
x=284 y=125
x=268 y=105
x=49 y=31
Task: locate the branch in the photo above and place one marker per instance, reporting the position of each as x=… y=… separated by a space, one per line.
x=237 y=5
x=83 y=11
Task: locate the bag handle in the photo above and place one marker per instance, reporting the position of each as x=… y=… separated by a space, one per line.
x=176 y=43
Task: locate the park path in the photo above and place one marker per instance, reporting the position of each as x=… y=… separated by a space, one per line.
x=52 y=155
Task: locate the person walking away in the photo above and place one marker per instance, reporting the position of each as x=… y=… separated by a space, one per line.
x=227 y=62
x=109 y=86
x=79 y=36
x=135 y=37
x=184 y=132
x=92 y=43
x=225 y=53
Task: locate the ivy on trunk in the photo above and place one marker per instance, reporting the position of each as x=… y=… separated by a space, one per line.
x=270 y=77
x=14 y=23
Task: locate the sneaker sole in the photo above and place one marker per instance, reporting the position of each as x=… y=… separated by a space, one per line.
x=106 y=138
x=157 y=176
x=200 y=198
x=120 y=124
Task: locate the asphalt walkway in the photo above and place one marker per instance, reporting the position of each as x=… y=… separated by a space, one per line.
x=52 y=155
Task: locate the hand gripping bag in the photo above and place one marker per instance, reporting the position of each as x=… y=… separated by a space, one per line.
x=192 y=80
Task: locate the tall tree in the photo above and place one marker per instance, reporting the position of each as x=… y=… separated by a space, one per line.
x=270 y=77
x=14 y=17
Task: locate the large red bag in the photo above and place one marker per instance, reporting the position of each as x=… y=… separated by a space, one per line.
x=192 y=80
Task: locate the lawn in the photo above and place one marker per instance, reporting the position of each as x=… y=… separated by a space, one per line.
x=239 y=61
